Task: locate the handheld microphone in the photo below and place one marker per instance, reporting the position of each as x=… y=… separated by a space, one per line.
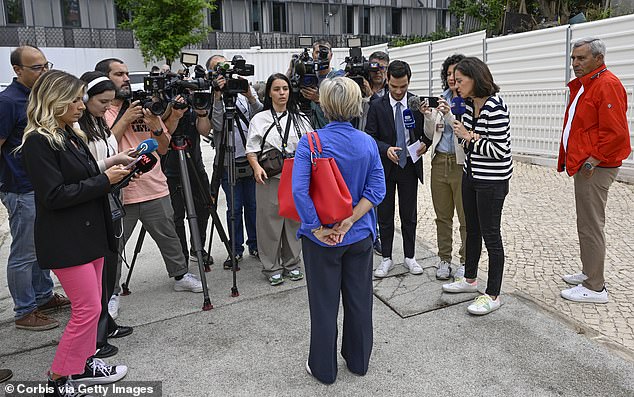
x=147 y=146
x=458 y=107
x=408 y=119
x=413 y=103
x=144 y=164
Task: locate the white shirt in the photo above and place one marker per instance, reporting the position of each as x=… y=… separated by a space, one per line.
x=571 y=115
x=403 y=103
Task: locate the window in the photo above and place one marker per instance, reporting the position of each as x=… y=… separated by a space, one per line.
x=70 y=13
x=350 y=19
x=121 y=15
x=14 y=10
x=215 y=17
x=366 y=20
x=396 y=20
x=256 y=12
x=279 y=17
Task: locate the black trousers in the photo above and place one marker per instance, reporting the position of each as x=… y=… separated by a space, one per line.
x=483 y=202
x=331 y=272
x=106 y=323
x=200 y=207
x=406 y=181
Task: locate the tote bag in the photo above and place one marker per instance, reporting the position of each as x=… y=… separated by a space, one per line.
x=328 y=190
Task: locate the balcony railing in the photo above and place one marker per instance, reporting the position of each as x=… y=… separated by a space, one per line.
x=13 y=36
x=40 y=36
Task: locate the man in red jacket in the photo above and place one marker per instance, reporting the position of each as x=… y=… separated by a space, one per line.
x=594 y=143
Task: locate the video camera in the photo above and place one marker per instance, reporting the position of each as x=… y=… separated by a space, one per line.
x=233 y=85
x=357 y=66
x=161 y=89
x=304 y=68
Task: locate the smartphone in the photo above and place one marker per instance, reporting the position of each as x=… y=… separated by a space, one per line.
x=132 y=164
x=431 y=100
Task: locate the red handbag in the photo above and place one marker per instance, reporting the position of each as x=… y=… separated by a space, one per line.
x=328 y=190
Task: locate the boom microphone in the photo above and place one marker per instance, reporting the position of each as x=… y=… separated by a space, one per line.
x=408 y=119
x=458 y=107
x=413 y=103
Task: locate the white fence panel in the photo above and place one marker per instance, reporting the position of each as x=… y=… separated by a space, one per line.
x=529 y=61
x=618 y=36
x=417 y=56
x=471 y=45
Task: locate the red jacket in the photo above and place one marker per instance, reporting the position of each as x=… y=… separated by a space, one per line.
x=599 y=128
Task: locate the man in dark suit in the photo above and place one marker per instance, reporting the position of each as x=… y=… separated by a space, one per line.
x=386 y=125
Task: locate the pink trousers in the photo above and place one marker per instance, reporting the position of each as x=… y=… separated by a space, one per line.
x=82 y=285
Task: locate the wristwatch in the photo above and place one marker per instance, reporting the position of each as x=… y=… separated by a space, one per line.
x=588 y=166
x=158 y=132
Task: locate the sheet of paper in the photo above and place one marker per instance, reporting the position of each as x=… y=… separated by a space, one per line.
x=412 y=150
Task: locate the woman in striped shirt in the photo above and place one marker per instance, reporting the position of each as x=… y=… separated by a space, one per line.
x=484 y=135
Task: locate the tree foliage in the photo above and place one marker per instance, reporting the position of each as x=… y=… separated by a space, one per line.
x=164 y=27
x=488 y=13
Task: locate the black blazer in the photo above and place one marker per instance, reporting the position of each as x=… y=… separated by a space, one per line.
x=380 y=126
x=73 y=223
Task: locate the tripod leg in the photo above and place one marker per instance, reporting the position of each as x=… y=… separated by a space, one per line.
x=137 y=248
x=192 y=218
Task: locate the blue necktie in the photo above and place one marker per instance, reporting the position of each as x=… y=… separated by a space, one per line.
x=401 y=140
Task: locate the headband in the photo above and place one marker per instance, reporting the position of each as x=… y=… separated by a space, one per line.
x=95 y=82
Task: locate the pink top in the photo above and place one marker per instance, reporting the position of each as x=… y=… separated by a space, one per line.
x=151 y=185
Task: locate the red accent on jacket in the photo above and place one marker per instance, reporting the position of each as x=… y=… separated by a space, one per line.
x=599 y=128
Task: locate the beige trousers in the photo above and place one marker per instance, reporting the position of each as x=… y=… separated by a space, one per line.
x=591 y=197
x=278 y=246
x=446 y=195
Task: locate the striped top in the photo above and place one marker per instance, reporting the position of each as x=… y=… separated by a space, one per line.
x=488 y=158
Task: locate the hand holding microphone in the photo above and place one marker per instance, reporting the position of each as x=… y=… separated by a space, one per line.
x=143 y=163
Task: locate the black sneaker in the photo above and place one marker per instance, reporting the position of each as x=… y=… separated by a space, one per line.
x=120 y=332
x=97 y=372
x=254 y=253
x=206 y=256
x=106 y=350
x=63 y=387
x=227 y=264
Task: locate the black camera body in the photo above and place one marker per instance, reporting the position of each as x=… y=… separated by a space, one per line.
x=358 y=67
x=233 y=86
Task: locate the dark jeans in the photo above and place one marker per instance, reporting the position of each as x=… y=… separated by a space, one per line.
x=483 y=202
x=332 y=272
x=200 y=207
x=244 y=192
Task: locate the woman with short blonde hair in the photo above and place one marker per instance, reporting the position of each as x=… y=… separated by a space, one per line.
x=338 y=258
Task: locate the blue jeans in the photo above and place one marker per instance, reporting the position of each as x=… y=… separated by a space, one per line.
x=244 y=192
x=29 y=285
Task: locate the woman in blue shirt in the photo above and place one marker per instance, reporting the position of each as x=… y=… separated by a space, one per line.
x=338 y=258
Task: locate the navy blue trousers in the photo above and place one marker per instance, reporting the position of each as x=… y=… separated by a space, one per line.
x=331 y=272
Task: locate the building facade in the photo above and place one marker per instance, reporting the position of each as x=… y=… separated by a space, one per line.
x=28 y=20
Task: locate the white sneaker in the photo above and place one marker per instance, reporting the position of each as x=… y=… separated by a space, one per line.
x=384 y=268
x=413 y=266
x=189 y=282
x=460 y=285
x=113 y=306
x=574 y=279
x=585 y=295
x=459 y=272
x=484 y=304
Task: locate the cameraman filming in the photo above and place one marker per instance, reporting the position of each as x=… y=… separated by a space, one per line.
x=193 y=124
x=322 y=52
x=147 y=199
x=247 y=105
x=379 y=62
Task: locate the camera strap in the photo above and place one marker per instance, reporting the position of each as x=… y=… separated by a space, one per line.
x=242 y=118
x=279 y=128
x=124 y=107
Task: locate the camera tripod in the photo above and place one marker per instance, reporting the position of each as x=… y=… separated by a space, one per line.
x=227 y=147
x=179 y=144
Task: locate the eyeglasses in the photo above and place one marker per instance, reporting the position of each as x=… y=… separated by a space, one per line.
x=39 y=68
